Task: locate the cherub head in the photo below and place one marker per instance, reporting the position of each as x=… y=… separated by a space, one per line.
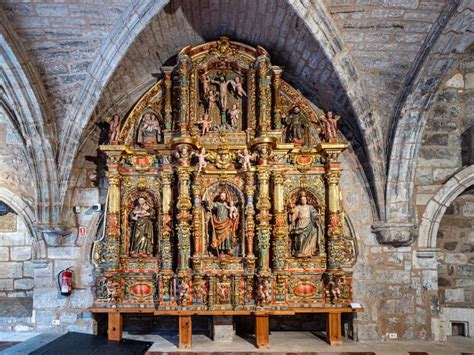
x=237 y=79
x=234 y=107
x=329 y=114
x=203 y=150
x=296 y=109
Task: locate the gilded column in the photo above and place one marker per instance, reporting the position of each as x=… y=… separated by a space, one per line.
x=184 y=63
x=250 y=213
x=264 y=216
x=276 y=94
x=279 y=242
x=166 y=252
x=334 y=227
x=252 y=100
x=113 y=213
x=168 y=110
x=264 y=78
x=197 y=212
x=184 y=217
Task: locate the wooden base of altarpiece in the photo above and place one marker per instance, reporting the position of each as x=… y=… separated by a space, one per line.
x=262 y=322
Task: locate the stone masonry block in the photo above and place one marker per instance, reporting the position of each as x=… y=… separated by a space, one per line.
x=4 y=254
x=64 y=252
x=24 y=284
x=6 y=284
x=11 y=270
x=20 y=253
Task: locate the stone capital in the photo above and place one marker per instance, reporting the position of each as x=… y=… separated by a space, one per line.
x=396 y=234
x=53 y=235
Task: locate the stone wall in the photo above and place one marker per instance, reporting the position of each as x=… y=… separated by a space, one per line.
x=456 y=261
x=16 y=269
x=452 y=113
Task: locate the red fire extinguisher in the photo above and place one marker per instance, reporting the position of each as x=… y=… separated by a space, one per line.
x=65 y=281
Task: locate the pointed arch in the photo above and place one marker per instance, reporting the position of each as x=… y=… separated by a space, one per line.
x=139 y=15
x=438 y=57
x=23 y=98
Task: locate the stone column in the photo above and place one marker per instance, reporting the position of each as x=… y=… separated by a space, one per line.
x=184 y=63
x=276 y=96
x=264 y=216
x=168 y=110
x=223 y=329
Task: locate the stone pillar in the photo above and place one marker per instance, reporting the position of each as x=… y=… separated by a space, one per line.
x=276 y=96
x=265 y=100
x=264 y=216
x=168 y=92
x=184 y=63
x=249 y=213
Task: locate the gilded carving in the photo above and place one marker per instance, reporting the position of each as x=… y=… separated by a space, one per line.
x=223 y=192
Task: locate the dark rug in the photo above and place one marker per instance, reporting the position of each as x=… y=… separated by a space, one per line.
x=86 y=344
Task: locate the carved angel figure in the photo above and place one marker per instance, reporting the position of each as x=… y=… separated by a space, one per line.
x=234 y=115
x=206 y=123
x=114 y=129
x=183 y=289
x=238 y=87
x=247 y=158
x=202 y=156
x=330 y=125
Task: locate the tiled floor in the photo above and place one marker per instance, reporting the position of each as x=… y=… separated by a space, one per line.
x=308 y=342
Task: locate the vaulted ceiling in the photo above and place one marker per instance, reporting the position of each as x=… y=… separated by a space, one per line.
x=357 y=57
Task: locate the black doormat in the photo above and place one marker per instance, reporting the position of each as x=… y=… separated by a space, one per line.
x=86 y=344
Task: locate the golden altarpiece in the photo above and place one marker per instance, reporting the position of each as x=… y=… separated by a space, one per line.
x=224 y=193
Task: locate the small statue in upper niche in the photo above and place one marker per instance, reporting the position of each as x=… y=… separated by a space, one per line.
x=206 y=124
x=114 y=129
x=330 y=126
x=238 y=87
x=206 y=82
x=142 y=222
x=223 y=84
x=305 y=230
x=149 y=131
x=234 y=115
x=296 y=125
x=264 y=292
x=212 y=98
x=246 y=159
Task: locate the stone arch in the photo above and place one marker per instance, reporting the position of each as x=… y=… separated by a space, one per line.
x=24 y=102
x=442 y=48
x=437 y=206
x=139 y=15
x=27 y=213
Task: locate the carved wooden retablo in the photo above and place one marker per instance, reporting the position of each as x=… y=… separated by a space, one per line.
x=224 y=192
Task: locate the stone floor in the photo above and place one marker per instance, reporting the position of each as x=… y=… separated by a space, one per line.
x=288 y=342
x=307 y=342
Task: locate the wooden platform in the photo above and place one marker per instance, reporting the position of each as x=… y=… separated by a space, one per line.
x=262 y=328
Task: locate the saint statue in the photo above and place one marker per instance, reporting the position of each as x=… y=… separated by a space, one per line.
x=224 y=223
x=305 y=229
x=296 y=125
x=149 y=131
x=142 y=236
